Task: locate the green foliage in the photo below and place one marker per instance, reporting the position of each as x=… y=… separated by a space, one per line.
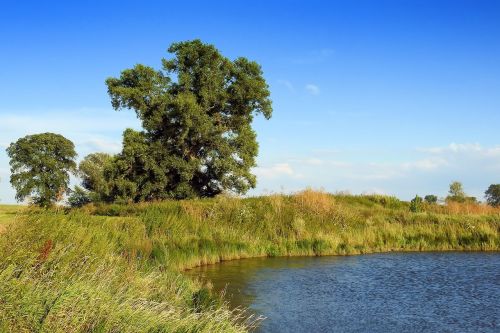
x=492 y=195
x=456 y=192
x=79 y=197
x=92 y=172
x=385 y=200
x=431 y=199
x=40 y=167
x=202 y=300
x=196 y=114
x=416 y=204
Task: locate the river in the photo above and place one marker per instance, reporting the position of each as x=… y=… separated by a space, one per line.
x=393 y=292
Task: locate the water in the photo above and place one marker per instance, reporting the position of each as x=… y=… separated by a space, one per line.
x=396 y=292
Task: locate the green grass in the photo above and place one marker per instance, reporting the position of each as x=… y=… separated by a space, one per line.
x=8 y=214
x=114 y=268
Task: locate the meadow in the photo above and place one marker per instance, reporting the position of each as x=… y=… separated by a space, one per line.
x=118 y=268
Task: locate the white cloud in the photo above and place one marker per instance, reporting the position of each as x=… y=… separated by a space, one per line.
x=426 y=164
x=312 y=89
x=460 y=148
x=83 y=120
x=466 y=155
x=274 y=171
x=423 y=171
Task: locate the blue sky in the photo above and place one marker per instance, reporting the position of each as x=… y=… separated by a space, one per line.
x=397 y=97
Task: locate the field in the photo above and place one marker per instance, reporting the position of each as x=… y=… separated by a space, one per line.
x=117 y=268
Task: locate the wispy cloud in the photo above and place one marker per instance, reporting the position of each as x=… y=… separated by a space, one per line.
x=424 y=170
x=312 y=89
x=462 y=148
x=275 y=171
x=426 y=164
x=75 y=121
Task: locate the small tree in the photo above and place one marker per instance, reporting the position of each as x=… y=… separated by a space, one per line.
x=492 y=195
x=92 y=171
x=431 y=199
x=456 y=192
x=40 y=166
x=78 y=197
x=416 y=204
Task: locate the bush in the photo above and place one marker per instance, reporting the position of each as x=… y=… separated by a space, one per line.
x=78 y=197
x=416 y=204
x=431 y=199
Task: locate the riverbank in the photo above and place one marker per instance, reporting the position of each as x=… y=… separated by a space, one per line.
x=116 y=268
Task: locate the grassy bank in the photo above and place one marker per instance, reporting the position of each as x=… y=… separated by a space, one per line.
x=115 y=268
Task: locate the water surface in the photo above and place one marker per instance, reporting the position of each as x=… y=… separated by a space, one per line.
x=395 y=292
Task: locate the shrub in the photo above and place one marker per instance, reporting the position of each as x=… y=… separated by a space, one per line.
x=78 y=197
x=431 y=199
x=416 y=204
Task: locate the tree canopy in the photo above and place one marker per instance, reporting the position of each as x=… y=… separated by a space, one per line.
x=456 y=192
x=492 y=195
x=196 y=113
x=40 y=167
x=92 y=172
x=431 y=199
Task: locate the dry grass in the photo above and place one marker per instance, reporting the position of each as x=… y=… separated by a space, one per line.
x=463 y=208
x=316 y=202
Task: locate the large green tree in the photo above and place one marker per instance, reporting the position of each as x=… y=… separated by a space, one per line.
x=41 y=166
x=492 y=195
x=196 y=114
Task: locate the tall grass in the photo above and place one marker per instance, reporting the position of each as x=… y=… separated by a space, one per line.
x=114 y=268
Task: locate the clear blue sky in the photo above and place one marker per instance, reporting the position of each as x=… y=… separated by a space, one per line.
x=399 y=97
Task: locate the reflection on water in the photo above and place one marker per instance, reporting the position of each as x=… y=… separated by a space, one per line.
x=423 y=292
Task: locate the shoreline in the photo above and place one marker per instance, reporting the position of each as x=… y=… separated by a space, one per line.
x=343 y=255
